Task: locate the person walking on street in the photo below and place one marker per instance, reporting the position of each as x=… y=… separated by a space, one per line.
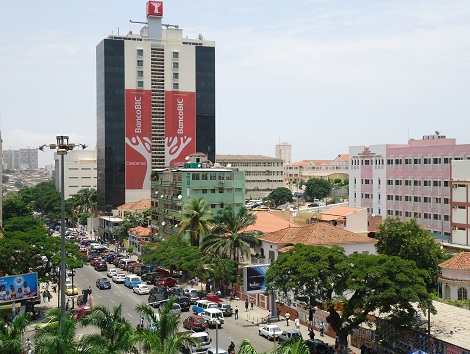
x=322 y=328
x=246 y=305
x=311 y=333
x=236 y=312
x=251 y=303
x=297 y=324
x=278 y=313
x=287 y=318
x=141 y=323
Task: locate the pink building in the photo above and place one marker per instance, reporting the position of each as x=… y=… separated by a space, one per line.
x=406 y=181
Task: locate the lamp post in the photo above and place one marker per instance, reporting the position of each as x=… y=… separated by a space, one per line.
x=61 y=147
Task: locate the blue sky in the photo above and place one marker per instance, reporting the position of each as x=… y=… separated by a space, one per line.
x=319 y=74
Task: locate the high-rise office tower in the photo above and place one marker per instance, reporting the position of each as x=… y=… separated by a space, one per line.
x=155 y=106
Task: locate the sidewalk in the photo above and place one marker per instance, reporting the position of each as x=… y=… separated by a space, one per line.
x=254 y=317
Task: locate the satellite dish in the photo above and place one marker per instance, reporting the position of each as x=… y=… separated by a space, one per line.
x=200 y=37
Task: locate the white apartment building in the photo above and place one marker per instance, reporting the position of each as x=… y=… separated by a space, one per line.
x=80 y=171
x=263 y=174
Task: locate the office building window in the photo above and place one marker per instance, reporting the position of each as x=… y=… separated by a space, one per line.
x=140 y=84
x=176 y=86
x=140 y=63
x=176 y=76
x=140 y=52
x=176 y=55
x=140 y=73
x=176 y=65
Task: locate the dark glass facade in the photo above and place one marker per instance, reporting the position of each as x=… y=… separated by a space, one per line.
x=205 y=101
x=110 y=124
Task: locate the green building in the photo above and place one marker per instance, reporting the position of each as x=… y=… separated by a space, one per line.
x=172 y=187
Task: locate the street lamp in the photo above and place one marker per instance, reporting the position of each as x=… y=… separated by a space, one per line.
x=62 y=146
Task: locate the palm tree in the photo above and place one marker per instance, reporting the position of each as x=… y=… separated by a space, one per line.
x=229 y=234
x=85 y=199
x=11 y=337
x=62 y=339
x=288 y=347
x=161 y=336
x=195 y=219
x=115 y=329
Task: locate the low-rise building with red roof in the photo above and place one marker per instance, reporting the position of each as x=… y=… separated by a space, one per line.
x=454 y=281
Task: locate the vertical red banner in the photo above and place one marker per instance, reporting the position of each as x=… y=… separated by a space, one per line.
x=138 y=139
x=180 y=126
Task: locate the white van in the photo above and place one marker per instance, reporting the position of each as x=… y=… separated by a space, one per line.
x=203 y=343
x=213 y=315
x=123 y=262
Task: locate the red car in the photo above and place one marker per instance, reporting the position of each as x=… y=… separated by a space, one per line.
x=213 y=297
x=166 y=282
x=195 y=323
x=95 y=260
x=161 y=271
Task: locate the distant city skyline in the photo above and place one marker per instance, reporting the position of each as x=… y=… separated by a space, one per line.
x=321 y=75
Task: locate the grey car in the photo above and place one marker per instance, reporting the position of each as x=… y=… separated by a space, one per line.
x=289 y=334
x=225 y=308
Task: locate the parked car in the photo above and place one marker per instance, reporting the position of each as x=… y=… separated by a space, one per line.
x=119 y=278
x=95 y=260
x=161 y=271
x=270 y=331
x=226 y=308
x=192 y=293
x=111 y=272
x=213 y=316
x=166 y=282
x=79 y=312
x=149 y=277
x=47 y=322
x=176 y=291
x=317 y=346
x=212 y=297
x=157 y=295
x=132 y=281
x=141 y=269
x=141 y=289
x=289 y=334
x=130 y=266
x=103 y=283
x=175 y=309
x=100 y=266
x=71 y=289
x=219 y=351
x=195 y=323
x=201 y=305
x=184 y=302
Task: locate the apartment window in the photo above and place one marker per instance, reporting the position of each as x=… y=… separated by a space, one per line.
x=437 y=200
x=212 y=191
x=213 y=206
x=426 y=161
x=176 y=55
x=140 y=84
x=436 y=183
x=436 y=216
x=176 y=86
x=140 y=52
x=366 y=162
x=417 y=183
x=446 y=217
x=204 y=191
x=436 y=160
x=408 y=214
x=389 y=182
x=176 y=76
x=398 y=198
x=195 y=176
x=408 y=198
x=389 y=197
x=408 y=182
x=398 y=182
x=390 y=212
x=417 y=215
x=176 y=65
x=204 y=176
x=213 y=176
x=446 y=200
x=366 y=196
x=140 y=73
x=462 y=294
x=427 y=183
x=446 y=183
x=140 y=63
x=389 y=161
x=398 y=213
x=398 y=161
x=426 y=199
x=447 y=160
x=417 y=161
x=427 y=216
x=416 y=199
x=408 y=161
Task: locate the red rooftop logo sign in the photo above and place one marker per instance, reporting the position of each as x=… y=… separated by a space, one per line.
x=155 y=8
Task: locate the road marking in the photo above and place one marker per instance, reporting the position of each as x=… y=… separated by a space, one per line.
x=112 y=301
x=128 y=314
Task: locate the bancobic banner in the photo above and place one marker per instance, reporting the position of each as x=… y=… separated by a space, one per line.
x=180 y=127
x=138 y=139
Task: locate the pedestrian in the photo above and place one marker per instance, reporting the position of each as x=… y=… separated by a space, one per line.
x=89 y=290
x=236 y=312
x=252 y=302
x=311 y=333
x=48 y=295
x=297 y=324
x=207 y=326
x=141 y=323
x=246 y=305
x=322 y=328
x=287 y=318
x=44 y=296
x=278 y=312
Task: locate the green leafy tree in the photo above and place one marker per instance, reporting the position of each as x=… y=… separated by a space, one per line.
x=409 y=241
x=11 y=337
x=229 y=235
x=115 y=329
x=22 y=223
x=13 y=207
x=221 y=269
x=131 y=220
x=280 y=196
x=317 y=188
x=175 y=253
x=362 y=284
x=162 y=336
x=196 y=220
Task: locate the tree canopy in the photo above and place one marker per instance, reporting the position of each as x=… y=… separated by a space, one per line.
x=280 y=196
x=409 y=241
x=317 y=188
x=360 y=283
x=196 y=219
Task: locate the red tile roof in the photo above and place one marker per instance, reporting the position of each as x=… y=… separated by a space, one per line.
x=315 y=234
x=267 y=222
x=460 y=261
x=141 y=205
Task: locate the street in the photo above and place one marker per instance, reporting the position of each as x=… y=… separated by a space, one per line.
x=232 y=330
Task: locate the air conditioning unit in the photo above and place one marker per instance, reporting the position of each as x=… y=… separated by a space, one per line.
x=454 y=186
x=222 y=181
x=454 y=228
x=455 y=207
